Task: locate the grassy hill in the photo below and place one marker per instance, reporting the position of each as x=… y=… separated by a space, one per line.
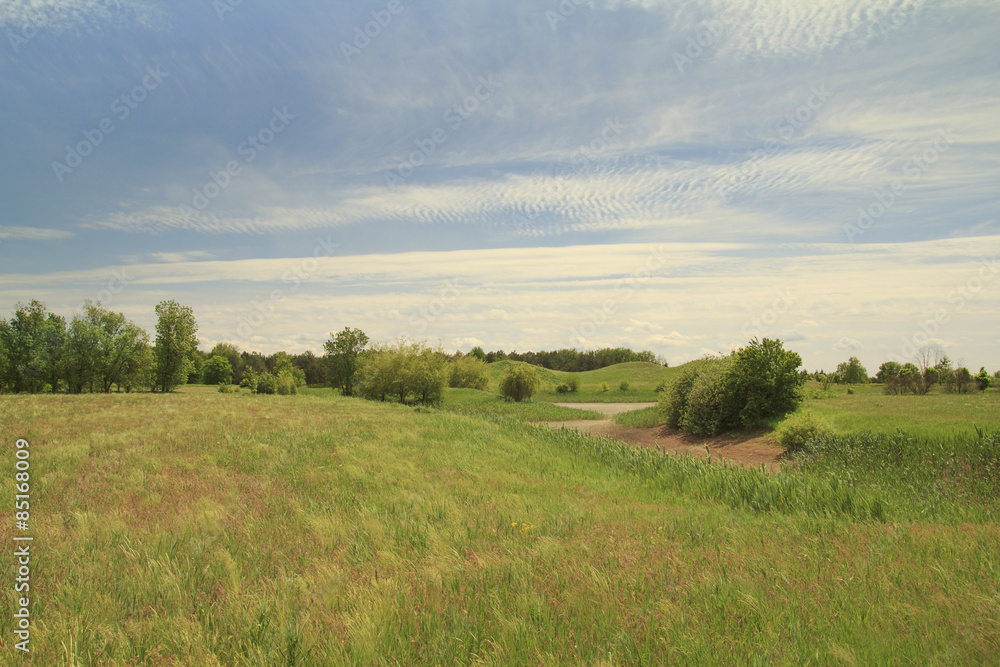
x=200 y=528
x=643 y=377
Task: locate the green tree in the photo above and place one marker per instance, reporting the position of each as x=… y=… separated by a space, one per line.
x=30 y=360
x=983 y=379
x=342 y=355
x=888 y=371
x=176 y=339
x=236 y=362
x=520 y=381
x=478 y=353
x=765 y=381
x=218 y=370
x=114 y=343
x=468 y=372
x=852 y=372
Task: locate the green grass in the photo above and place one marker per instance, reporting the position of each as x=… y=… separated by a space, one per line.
x=483 y=404
x=935 y=415
x=642 y=418
x=643 y=379
x=215 y=529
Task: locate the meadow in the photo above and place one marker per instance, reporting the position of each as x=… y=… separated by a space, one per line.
x=200 y=528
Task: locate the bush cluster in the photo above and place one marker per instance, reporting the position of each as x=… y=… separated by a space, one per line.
x=407 y=372
x=753 y=384
x=520 y=382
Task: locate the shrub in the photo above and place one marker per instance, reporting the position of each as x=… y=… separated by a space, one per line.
x=410 y=372
x=753 y=384
x=604 y=386
x=468 y=372
x=266 y=384
x=573 y=383
x=519 y=382
x=623 y=385
x=796 y=432
x=225 y=388
x=983 y=380
x=562 y=389
x=709 y=409
x=673 y=401
x=284 y=384
x=217 y=370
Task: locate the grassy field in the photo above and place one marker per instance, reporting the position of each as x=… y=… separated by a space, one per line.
x=935 y=415
x=201 y=528
x=642 y=377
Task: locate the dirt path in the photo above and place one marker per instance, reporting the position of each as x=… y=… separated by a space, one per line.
x=751 y=449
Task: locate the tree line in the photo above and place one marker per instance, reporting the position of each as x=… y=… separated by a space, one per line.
x=932 y=368
x=571 y=359
x=95 y=351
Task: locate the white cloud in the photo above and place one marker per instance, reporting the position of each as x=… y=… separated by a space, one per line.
x=33 y=234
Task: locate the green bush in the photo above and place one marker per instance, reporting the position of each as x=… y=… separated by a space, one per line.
x=519 y=382
x=409 y=372
x=673 y=400
x=284 y=385
x=623 y=385
x=744 y=390
x=562 y=389
x=573 y=383
x=468 y=372
x=709 y=409
x=798 y=430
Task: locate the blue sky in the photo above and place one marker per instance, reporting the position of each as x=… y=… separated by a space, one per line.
x=674 y=176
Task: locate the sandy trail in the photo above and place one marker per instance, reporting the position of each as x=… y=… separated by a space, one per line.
x=752 y=449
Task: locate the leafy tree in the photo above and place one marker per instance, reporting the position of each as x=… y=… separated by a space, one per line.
x=520 y=381
x=5 y=365
x=888 y=371
x=983 y=379
x=342 y=354
x=218 y=370
x=116 y=341
x=478 y=353
x=960 y=382
x=468 y=372
x=314 y=369
x=236 y=362
x=176 y=339
x=852 y=372
x=29 y=358
x=82 y=349
x=765 y=380
x=753 y=384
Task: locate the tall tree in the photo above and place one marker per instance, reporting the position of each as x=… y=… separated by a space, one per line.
x=176 y=339
x=342 y=354
x=28 y=336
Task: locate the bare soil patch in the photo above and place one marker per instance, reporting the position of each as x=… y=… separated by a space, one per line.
x=752 y=449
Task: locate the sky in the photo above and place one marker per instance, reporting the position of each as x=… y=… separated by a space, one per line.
x=522 y=175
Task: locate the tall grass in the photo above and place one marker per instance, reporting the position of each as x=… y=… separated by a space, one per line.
x=229 y=529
